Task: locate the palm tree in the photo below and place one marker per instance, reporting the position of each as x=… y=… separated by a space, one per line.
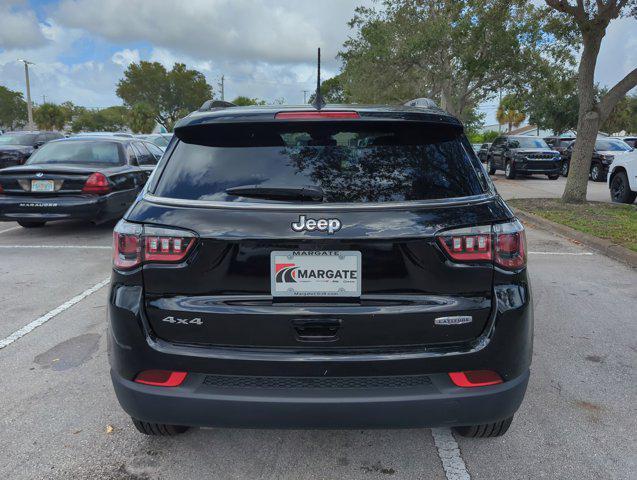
x=509 y=112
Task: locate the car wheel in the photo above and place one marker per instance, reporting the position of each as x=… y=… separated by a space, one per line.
x=553 y=177
x=597 y=174
x=490 y=167
x=620 y=189
x=30 y=224
x=509 y=170
x=158 y=429
x=565 y=168
x=496 y=429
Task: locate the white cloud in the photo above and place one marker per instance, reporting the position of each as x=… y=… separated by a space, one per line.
x=18 y=27
x=125 y=57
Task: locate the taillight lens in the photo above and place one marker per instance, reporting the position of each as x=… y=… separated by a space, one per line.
x=1 y=189
x=504 y=244
x=134 y=245
x=97 y=184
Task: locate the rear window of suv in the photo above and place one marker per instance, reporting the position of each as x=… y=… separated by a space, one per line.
x=349 y=162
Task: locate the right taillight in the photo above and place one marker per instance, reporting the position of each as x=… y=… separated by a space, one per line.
x=503 y=243
x=135 y=244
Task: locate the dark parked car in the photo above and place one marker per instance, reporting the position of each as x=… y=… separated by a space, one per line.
x=523 y=155
x=484 y=152
x=159 y=139
x=296 y=267
x=17 y=147
x=89 y=178
x=606 y=149
x=559 y=144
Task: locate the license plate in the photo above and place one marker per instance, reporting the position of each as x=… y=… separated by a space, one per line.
x=315 y=273
x=42 y=186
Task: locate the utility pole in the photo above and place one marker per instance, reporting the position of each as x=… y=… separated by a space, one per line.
x=221 y=86
x=29 y=104
x=43 y=98
x=305 y=92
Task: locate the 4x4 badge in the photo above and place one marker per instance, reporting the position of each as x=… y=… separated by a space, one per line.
x=329 y=225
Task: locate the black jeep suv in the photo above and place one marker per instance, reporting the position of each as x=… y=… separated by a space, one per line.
x=343 y=267
x=523 y=155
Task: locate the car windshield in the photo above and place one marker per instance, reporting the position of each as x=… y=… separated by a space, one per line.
x=527 y=142
x=612 y=146
x=78 y=152
x=347 y=163
x=25 y=139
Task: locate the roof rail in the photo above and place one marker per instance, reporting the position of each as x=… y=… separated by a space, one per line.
x=211 y=104
x=422 y=103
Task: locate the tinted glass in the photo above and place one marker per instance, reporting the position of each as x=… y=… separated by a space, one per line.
x=78 y=152
x=26 y=139
x=350 y=163
x=527 y=142
x=154 y=150
x=143 y=155
x=612 y=145
x=159 y=140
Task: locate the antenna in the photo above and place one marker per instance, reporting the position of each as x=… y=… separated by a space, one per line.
x=318 y=98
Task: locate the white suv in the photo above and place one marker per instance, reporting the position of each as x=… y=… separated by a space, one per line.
x=622 y=178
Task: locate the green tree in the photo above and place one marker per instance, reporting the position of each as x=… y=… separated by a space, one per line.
x=172 y=94
x=109 y=119
x=332 y=91
x=50 y=116
x=13 y=109
x=591 y=20
x=510 y=112
x=142 y=118
x=457 y=52
x=623 y=117
x=242 y=101
x=552 y=102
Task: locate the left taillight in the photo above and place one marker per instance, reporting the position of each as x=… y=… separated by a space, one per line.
x=97 y=184
x=135 y=244
x=503 y=244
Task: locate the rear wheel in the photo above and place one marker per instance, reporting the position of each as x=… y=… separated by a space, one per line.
x=30 y=224
x=158 y=429
x=509 y=171
x=620 y=189
x=597 y=174
x=553 y=177
x=490 y=166
x=487 y=430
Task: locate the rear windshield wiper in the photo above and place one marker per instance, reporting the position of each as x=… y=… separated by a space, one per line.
x=310 y=192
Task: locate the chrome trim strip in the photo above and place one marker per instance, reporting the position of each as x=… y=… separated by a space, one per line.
x=447 y=202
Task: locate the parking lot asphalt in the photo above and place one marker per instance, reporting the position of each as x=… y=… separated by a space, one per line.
x=539 y=186
x=59 y=418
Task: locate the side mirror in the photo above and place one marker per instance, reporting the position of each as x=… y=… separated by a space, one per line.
x=38 y=144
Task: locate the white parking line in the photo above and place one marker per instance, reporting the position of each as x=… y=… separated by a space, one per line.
x=74 y=247
x=9 y=229
x=449 y=454
x=48 y=316
x=562 y=253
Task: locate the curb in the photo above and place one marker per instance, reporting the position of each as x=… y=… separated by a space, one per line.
x=606 y=247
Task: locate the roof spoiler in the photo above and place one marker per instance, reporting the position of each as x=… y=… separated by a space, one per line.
x=421 y=103
x=215 y=104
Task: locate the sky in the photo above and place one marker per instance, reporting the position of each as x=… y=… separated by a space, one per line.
x=264 y=48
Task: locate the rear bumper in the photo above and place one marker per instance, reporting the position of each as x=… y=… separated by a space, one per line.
x=433 y=402
x=40 y=208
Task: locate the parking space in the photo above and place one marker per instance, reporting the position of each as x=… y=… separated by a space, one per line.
x=59 y=417
x=539 y=186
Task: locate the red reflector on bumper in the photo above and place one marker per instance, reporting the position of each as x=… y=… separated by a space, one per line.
x=161 y=378
x=475 y=378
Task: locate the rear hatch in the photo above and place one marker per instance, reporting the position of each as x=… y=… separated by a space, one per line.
x=306 y=235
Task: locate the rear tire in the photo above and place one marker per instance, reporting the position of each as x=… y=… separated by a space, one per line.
x=30 y=224
x=509 y=170
x=620 y=189
x=490 y=168
x=158 y=429
x=487 y=430
x=553 y=177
